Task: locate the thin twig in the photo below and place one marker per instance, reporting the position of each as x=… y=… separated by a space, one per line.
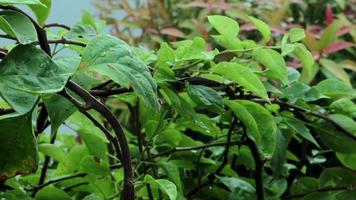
x=56 y=25
x=227 y=147
x=179 y=149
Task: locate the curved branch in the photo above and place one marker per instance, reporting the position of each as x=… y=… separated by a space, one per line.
x=92 y=102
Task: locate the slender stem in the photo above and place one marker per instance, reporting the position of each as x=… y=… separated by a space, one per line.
x=41 y=120
x=258 y=168
x=56 y=25
x=105 y=93
x=92 y=102
x=227 y=147
x=179 y=149
x=67 y=41
x=44 y=168
x=40 y=186
x=4 y=111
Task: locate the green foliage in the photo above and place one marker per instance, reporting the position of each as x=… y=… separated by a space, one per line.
x=229 y=114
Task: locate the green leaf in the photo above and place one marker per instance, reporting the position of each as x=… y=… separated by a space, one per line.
x=274 y=62
x=335 y=139
x=53 y=151
x=335 y=88
x=243 y=76
x=20 y=101
x=18 y=147
x=206 y=96
x=329 y=35
x=348 y=160
x=165 y=55
x=265 y=123
x=29 y=69
x=304 y=185
x=279 y=153
x=246 y=118
x=52 y=193
x=336 y=70
x=344 y=106
x=301 y=129
x=172 y=172
x=262 y=27
x=319 y=196
x=225 y=26
x=42 y=11
x=93 y=138
x=296 y=34
x=168 y=137
x=28 y=2
x=286 y=48
x=349 y=194
x=113 y=58
x=166 y=186
x=88 y=19
x=91 y=166
x=336 y=177
x=18 y=25
x=234 y=183
x=304 y=55
x=345 y=121
x=59 y=109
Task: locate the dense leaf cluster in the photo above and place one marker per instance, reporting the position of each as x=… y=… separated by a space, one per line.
x=84 y=115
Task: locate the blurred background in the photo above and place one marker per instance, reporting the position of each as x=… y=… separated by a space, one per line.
x=69 y=11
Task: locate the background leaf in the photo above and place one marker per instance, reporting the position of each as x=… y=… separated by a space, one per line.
x=243 y=76
x=18 y=147
x=18 y=26
x=262 y=27
x=113 y=58
x=29 y=69
x=166 y=186
x=274 y=62
x=42 y=11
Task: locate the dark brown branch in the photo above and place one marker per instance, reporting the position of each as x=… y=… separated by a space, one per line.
x=92 y=102
x=179 y=149
x=57 y=25
x=38 y=187
x=41 y=120
x=128 y=191
x=102 y=85
x=8 y=37
x=258 y=168
x=67 y=41
x=83 y=109
x=44 y=168
x=105 y=93
x=4 y=111
x=227 y=147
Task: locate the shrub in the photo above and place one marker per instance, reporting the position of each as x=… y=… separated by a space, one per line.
x=187 y=121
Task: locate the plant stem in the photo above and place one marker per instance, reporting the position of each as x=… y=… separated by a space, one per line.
x=258 y=168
